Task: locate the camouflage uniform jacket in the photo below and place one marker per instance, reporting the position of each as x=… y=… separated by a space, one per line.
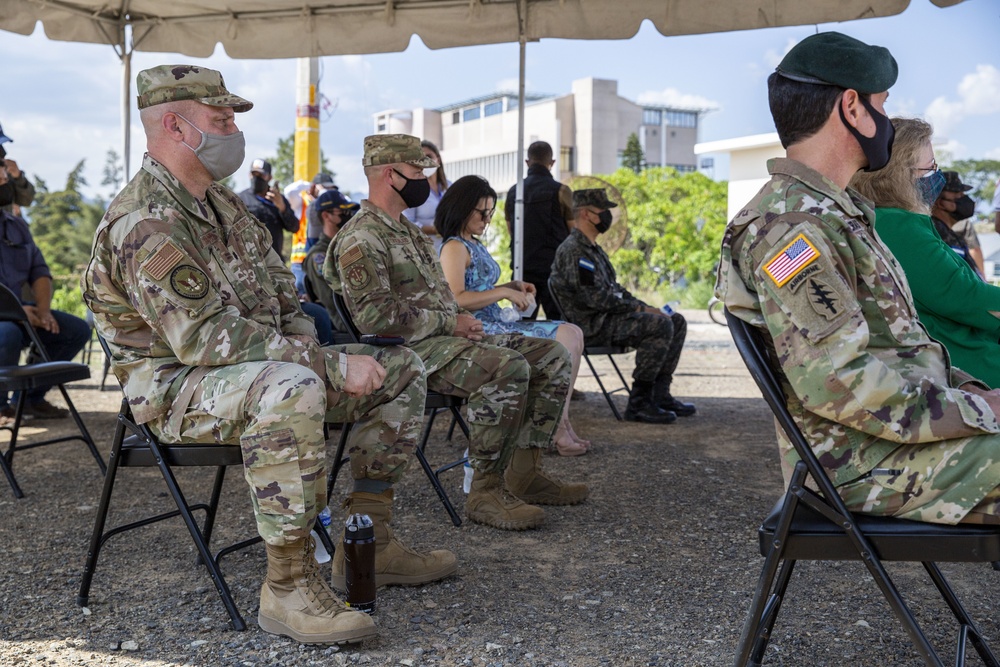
x=862 y=376
x=392 y=279
x=587 y=286
x=179 y=285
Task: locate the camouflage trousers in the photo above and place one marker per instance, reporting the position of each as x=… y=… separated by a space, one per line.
x=516 y=386
x=657 y=340
x=950 y=481
x=276 y=410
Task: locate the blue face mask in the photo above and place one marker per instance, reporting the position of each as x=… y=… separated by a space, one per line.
x=930 y=186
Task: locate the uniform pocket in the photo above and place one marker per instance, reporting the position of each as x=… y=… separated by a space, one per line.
x=272 y=467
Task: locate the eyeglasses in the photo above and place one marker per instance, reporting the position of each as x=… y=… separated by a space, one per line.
x=487 y=213
x=933 y=167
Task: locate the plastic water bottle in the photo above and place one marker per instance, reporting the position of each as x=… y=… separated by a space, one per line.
x=509 y=314
x=322 y=555
x=359 y=563
x=467 y=483
x=670 y=307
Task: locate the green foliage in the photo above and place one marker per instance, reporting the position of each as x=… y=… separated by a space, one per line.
x=283 y=165
x=63 y=223
x=67 y=297
x=982 y=175
x=633 y=158
x=114 y=172
x=675 y=224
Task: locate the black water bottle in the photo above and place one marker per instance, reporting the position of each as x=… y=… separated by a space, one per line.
x=359 y=562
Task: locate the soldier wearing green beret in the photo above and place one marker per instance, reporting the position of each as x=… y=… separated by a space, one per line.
x=210 y=345
x=393 y=284
x=900 y=431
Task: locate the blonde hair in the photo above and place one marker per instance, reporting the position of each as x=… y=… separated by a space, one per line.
x=895 y=186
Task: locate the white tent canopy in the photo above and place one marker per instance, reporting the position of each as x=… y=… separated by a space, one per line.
x=299 y=28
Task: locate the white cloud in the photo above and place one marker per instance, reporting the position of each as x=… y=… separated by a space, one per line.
x=978 y=95
x=772 y=57
x=993 y=154
x=674 y=97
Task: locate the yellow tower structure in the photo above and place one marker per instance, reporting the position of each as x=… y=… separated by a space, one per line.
x=306 y=143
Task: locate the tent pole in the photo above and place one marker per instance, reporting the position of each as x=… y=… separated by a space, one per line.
x=126 y=58
x=522 y=10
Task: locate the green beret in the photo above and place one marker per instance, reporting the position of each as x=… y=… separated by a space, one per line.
x=383 y=149
x=596 y=197
x=834 y=59
x=174 y=83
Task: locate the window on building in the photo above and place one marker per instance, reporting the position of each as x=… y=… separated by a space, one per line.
x=472 y=113
x=455 y=117
x=567 y=159
x=682 y=118
x=651 y=117
x=381 y=126
x=493 y=108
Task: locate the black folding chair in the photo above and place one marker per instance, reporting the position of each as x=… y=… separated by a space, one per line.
x=33 y=375
x=805 y=525
x=135 y=445
x=435 y=402
x=597 y=350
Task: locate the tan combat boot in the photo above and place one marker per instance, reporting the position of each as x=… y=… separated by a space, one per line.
x=296 y=602
x=395 y=563
x=491 y=504
x=526 y=480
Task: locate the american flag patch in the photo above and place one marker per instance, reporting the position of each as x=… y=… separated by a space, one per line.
x=164 y=259
x=351 y=256
x=794 y=257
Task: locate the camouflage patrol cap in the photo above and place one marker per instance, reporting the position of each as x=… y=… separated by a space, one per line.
x=174 y=83
x=596 y=197
x=394 y=148
x=832 y=58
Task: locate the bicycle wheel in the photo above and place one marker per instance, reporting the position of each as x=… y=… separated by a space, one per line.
x=715 y=312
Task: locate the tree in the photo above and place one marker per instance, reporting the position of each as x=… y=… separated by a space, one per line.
x=63 y=224
x=283 y=165
x=113 y=171
x=633 y=157
x=675 y=224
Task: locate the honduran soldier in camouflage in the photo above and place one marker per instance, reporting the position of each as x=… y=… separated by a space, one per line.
x=334 y=210
x=900 y=431
x=587 y=288
x=516 y=385
x=210 y=345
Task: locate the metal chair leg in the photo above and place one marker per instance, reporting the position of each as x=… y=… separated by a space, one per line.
x=604 y=391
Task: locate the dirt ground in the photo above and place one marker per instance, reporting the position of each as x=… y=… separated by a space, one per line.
x=656 y=568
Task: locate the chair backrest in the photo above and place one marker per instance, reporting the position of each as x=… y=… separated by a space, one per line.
x=11 y=310
x=757 y=356
x=345 y=315
x=555 y=298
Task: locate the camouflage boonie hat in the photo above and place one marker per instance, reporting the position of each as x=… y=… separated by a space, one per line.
x=596 y=197
x=394 y=148
x=174 y=83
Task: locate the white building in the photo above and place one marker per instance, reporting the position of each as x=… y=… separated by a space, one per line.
x=748 y=158
x=587 y=129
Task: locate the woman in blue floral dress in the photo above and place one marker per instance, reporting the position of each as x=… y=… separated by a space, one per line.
x=462 y=215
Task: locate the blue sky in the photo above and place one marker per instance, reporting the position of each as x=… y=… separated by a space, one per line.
x=62 y=100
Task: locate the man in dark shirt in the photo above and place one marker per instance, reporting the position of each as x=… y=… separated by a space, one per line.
x=548 y=220
x=268 y=205
x=22 y=189
x=62 y=334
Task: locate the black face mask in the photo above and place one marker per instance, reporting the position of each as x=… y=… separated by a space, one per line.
x=965 y=207
x=603 y=221
x=878 y=148
x=259 y=186
x=6 y=194
x=415 y=192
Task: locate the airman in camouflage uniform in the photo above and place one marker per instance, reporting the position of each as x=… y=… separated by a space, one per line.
x=516 y=385
x=899 y=430
x=210 y=345
x=587 y=288
x=334 y=211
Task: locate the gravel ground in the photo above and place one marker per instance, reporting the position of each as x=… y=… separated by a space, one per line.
x=656 y=568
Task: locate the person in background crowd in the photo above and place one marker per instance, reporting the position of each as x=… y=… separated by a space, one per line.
x=22 y=192
x=335 y=210
x=952 y=214
x=463 y=215
x=954 y=304
x=548 y=220
x=23 y=268
x=587 y=287
x=268 y=205
x=423 y=216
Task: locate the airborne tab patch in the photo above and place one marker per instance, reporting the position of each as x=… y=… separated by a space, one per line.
x=794 y=257
x=165 y=258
